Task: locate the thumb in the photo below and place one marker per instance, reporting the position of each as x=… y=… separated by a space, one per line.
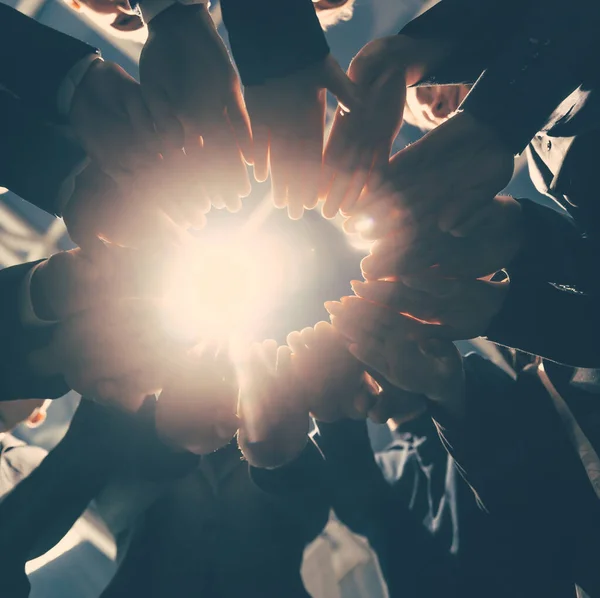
x=341 y=86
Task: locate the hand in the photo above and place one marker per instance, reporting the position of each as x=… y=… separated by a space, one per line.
x=195 y=98
x=117 y=353
x=66 y=283
x=360 y=141
x=394 y=346
x=492 y=238
x=272 y=407
x=288 y=120
x=441 y=181
x=99 y=209
x=333 y=379
x=462 y=308
x=197 y=408
x=112 y=123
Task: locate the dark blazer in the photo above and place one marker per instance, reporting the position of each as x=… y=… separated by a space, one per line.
x=34 y=60
x=35 y=156
x=216 y=534
x=513 y=449
x=100 y=445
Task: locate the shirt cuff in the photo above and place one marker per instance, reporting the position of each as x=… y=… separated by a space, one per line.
x=152 y=8
x=27 y=313
x=66 y=90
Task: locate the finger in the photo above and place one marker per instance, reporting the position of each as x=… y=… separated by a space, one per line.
x=379 y=219
x=240 y=124
x=143 y=127
x=225 y=168
x=354 y=317
x=269 y=348
x=284 y=359
x=295 y=343
x=308 y=336
x=370 y=352
x=260 y=145
x=281 y=165
x=304 y=183
x=341 y=86
x=359 y=181
x=345 y=167
x=457 y=212
x=167 y=124
x=480 y=217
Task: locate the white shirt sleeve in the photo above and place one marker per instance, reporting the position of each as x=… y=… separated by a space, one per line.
x=26 y=311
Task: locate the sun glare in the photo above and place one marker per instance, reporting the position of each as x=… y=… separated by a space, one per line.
x=226 y=284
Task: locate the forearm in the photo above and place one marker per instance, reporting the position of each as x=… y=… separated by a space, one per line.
x=544 y=320
x=455 y=40
x=535 y=70
x=273 y=39
x=28 y=68
x=552 y=306
x=511 y=443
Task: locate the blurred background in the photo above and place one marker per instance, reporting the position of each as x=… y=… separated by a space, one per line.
x=338 y=564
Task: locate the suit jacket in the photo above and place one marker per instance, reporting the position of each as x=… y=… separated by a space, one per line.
x=216 y=534
x=36 y=157
x=101 y=445
x=34 y=60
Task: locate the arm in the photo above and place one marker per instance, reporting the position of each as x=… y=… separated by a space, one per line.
x=506 y=444
x=28 y=146
x=273 y=39
x=18 y=380
x=28 y=69
x=100 y=444
x=551 y=308
x=378 y=508
x=532 y=68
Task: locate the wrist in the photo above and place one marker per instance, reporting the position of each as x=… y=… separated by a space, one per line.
x=172 y=14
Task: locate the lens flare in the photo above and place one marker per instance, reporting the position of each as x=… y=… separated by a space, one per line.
x=225 y=284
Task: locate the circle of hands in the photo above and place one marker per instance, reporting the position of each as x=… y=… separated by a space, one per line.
x=167 y=150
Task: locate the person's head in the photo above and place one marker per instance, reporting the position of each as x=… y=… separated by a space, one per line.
x=331 y=12
x=429 y=106
x=30 y=411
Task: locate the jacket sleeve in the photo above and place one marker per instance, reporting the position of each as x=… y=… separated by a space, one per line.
x=34 y=60
x=273 y=39
x=17 y=380
x=553 y=305
x=100 y=443
x=531 y=55
x=36 y=158
x=378 y=508
x=512 y=447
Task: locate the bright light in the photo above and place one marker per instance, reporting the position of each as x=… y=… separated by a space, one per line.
x=226 y=283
